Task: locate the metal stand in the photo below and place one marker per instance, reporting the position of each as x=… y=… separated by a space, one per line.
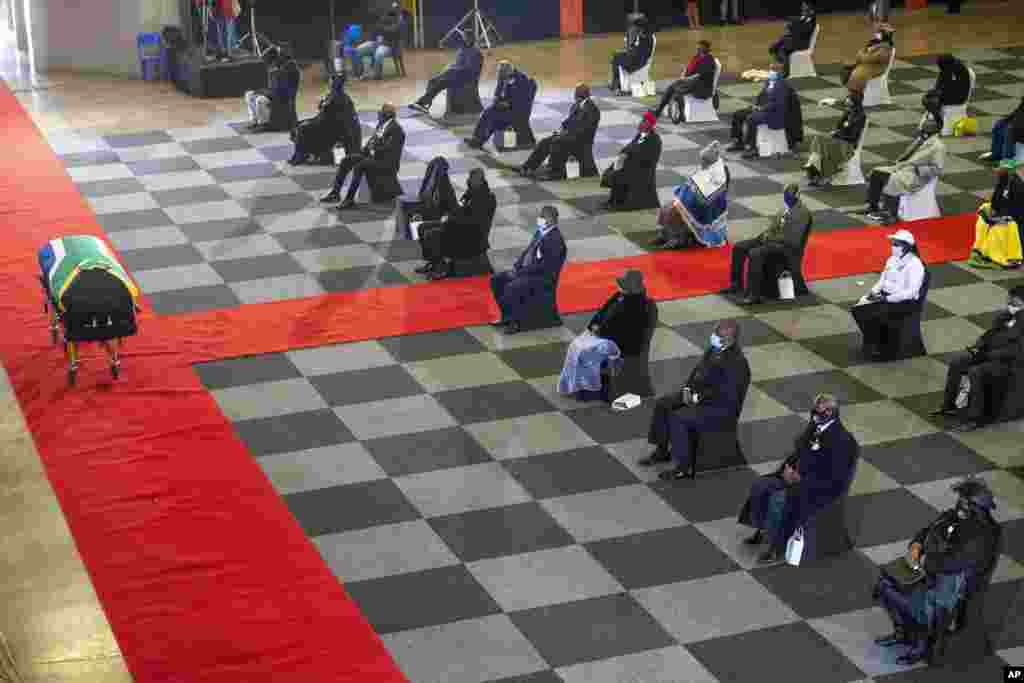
x=481 y=27
x=252 y=34
x=206 y=31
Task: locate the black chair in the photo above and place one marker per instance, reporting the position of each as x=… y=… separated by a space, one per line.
x=720 y=448
x=463 y=100
x=903 y=333
x=828 y=532
x=585 y=157
x=521 y=124
x=544 y=306
x=634 y=375
x=471 y=259
x=793 y=262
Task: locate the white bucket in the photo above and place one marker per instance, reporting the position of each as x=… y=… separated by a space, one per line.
x=508 y=138
x=786 y=290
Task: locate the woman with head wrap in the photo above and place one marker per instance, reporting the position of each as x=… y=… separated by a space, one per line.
x=335 y=122
x=830 y=153
x=698 y=213
x=872 y=60
x=920 y=164
x=999 y=230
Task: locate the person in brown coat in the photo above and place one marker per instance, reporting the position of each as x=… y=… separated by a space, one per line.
x=872 y=60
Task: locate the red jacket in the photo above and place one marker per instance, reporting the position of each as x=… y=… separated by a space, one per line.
x=223 y=8
x=695 y=61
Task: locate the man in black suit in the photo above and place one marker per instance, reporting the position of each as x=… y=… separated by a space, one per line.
x=378 y=161
x=712 y=396
x=639 y=43
x=771 y=109
x=462 y=233
x=632 y=178
x=799 y=31
x=469 y=62
x=576 y=137
x=976 y=376
x=815 y=474
x=697 y=81
x=535 y=271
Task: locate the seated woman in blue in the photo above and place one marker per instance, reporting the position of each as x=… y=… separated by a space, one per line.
x=698 y=214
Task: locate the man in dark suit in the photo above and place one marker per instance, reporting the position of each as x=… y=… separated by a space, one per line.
x=632 y=178
x=273 y=108
x=697 y=81
x=469 y=61
x=782 y=240
x=462 y=233
x=986 y=367
x=639 y=44
x=815 y=474
x=770 y=110
x=952 y=87
x=576 y=137
x=378 y=161
x=335 y=122
x=512 y=99
x=712 y=396
x=797 y=37
x=536 y=270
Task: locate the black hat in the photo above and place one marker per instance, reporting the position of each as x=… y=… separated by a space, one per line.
x=631 y=282
x=976 y=491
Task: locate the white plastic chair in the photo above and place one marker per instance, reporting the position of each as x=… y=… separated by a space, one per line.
x=954 y=112
x=641 y=78
x=920 y=204
x=771 y=142
x=1018 y=152
x=876 y=91
x=703 y=111
x=801 y=63
x=853 y=173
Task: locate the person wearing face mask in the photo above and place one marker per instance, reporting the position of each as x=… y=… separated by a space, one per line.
x=631 y=178
x=974 y=378
x=575 y=137
x=797 y=36
x=513 y=95
x=892 y=297
x=952 y=87
x=872 y=61
x=924 y=160
x=711 y=399
x=948 y=560
x=1007 y=137
x=378 y=161
x=699 y=212
x=336 y=121
x=999 y=230
x=830 y=153
x=811 y=477
x=273 y=108
x=462 y=233
x=770 y=109
x=782 y=241
x=639 y=44
x=698 y=80
x=469 y=62
x=534 y=274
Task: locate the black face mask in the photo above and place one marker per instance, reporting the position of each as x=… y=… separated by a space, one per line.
x=384 y=117
x=819 y=418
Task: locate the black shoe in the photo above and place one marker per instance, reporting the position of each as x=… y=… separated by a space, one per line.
x=915 y=655
x=968 y=426
x=440 y=272
x=735 y=147
x=325 y=159
x=750 y=300
x=512 y=327
x=750 y=154
x=897 y=637
x=473 y=142
x=550 y=176
x=659 y=241
x=425 y=268
x=755 y=539
x=349 y=203
x=878 y=216
x=606 y=206
x=417 y=107
x=500 y=323
x=296 y=161
x=770 y=556
x=943 y=411
x=732 y=290
x=527 y=172
x=677 y=473
x=659 y=455
x=256 y=128
x=871 y=351
x=332 y=197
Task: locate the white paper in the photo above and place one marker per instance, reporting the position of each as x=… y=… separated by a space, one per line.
x=626 y=402
x=414 y=229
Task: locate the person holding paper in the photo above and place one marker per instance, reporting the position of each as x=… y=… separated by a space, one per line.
x=462 y=233
x=697 y=215
x=575 y=137
x=632 y=178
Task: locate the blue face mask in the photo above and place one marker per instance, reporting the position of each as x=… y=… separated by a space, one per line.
x=790 y=199
x=716 y=341
x=774 y=75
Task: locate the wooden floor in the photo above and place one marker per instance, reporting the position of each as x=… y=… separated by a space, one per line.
x=50 y=614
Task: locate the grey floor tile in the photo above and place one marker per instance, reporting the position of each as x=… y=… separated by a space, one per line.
x=666 y=665
x=385 y=550
x=715 y=494
x=406 y=415
x=462 y=489
x=279 y=288
x=319 y=468
x=610 y=513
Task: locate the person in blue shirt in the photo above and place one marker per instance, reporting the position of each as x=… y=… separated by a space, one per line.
x=513 y=95
x=769 y=110
x=469 y=61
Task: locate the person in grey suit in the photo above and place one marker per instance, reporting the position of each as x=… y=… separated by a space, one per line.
x=782 y=240
x=923 y=161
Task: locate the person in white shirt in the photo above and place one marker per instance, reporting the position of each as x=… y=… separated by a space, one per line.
x=893 y=296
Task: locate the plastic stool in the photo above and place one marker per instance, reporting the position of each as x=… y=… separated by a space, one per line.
x=152 y=56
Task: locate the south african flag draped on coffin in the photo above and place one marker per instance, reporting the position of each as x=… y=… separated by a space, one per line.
x=87 y=285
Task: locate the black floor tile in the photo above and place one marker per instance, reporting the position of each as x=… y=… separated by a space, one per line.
x=753 y=331
x=107 y=188
x=233 y=174
x=925 y=458
x=218 y=230
x=281 y=203
x=495 y=532
x=362 y=277
x=887 y=516
x=712 y=495
x=316 y=238
x=217 y=145
x=363 y=386
x=257 y=267
x=569 y=472
x=236 y=372
x=431 y=345
x=797 y=392
x=190 y=195
x=841 y=350
x=949 y=275
x=426 y=451
x=604 y=425
x=352 y=506
x=169 y=165
x=827 y=586
x=493 y=402
x=193 y=300
x=536 y=361
x=293 y=432
x=150 y=258
x=771 y=439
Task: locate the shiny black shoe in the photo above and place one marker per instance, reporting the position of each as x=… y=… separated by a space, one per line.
x=425 y=268
x=500 y=323
x=659 y=455
x=897 y=637
x=968 y=426
x=677 y=473
x=755 y=539
x=473 y=143
x=770 y=556
x=731 y=291
x=917 y=654
x=943 y=411
x=750 y=300
x=512 y=327
x=347 y=204
x=332 y=197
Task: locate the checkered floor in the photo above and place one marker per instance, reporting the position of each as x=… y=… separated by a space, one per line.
x=492 y=530
x=209 y=217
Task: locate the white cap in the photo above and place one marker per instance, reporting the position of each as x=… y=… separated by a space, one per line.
x=902 y=236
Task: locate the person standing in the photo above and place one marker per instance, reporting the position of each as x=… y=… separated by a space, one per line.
x=693 y=14
x=733 y=17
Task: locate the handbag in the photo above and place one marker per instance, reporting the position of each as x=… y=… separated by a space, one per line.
x=968 y=125
x=795 y=547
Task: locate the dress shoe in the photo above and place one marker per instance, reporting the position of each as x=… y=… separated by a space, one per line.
x=425 y=268
x=526 y=172
x=349 y=203
x=735 y=147
x=419 y=108
x=512 y=327
x=943 y=411
x=256 y=128
x=332 y=197
x=770 y=556
x=987 y=156
x=473 y=142
x=968 y=426
x=325 y=159
x=296 y=161
x=659 y=455
x=731 y=291
x=897 y=637
x=606 y=206
x=750 y=300
x=750 y=154
x=677 y=473
x=551 y=176
x=755 y=539
x=440 y=273
x=915 y=655
x=659 y=241
x=500 y=323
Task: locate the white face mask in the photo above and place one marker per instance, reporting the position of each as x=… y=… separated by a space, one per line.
x=542 y=224
x=897 y=251
x=1013 y=310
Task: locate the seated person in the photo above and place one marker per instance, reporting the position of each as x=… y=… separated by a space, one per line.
x=974 y=378
x=378 y=161
x=436 y=197
x=872 y=61
x=952 y=87
x=830 y=153
x=894 y=295
x=469 y=62
x=999 y=230
x=697 y=81
x=536 y=270
x=710 y=398
x=619 y=328
x=950 y=557
x=511 y=99
x=1007 y=133
x=336 y=121
x=812 y=476
x=389 y=35
x=699 y=211
x=575 y=137
x=924 y=160
x=273 y=108
x=632 y=178
x=782 y=240
x=797 y=37
x=770 y=109
x=639 y=44
x=462 y=232
x=351 y=39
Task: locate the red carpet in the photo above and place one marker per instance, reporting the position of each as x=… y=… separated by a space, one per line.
x=204 y=574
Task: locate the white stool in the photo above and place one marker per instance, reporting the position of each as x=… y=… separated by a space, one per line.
x=954 y=112
x=801 y=64
x=876 y=91
x=702 y=111
x=771 y=142
x=920 y=204
x=1018 y=152
x=641 y=78
x=853 y=173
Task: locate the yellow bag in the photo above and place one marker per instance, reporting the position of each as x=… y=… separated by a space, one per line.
x=968 y=125
x=998 y=244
